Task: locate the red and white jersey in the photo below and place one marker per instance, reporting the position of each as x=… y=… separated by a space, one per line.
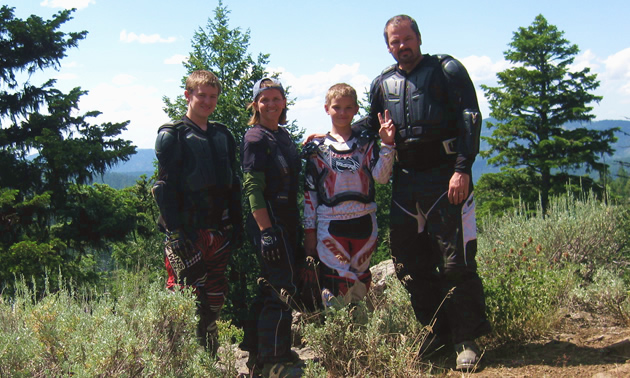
x=339 y=178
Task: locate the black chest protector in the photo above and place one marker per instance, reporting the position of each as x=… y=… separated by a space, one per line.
x=413 y=108
x=281 y=183
x=205 y=158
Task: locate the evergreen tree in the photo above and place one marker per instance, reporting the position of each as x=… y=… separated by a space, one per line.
x=45 y=147
x=224 y=52
x=534 y=99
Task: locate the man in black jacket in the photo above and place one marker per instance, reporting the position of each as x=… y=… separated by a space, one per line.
x=433 y=104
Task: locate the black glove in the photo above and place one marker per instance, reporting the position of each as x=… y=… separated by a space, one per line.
x=309 y=149
x=180 y=245
x=270 y=245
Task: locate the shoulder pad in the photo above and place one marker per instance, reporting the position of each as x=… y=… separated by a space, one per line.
x=254 y=135
x=173 y=125
x=166 y=139
x=443 y=57
x=217 y=123
x=388 y=69
x=453 y=68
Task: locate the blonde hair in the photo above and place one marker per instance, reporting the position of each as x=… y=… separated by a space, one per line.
x=341 y=90
x=202 y=77
x=255 y=118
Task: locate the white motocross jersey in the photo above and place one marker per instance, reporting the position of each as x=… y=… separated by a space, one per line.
x=339 y=178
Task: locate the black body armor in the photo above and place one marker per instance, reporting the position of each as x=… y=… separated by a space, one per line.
x=196 y=181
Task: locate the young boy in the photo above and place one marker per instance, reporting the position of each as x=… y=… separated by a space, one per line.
x=339 y=208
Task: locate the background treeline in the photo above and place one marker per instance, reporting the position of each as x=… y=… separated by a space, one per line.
x=82 y=272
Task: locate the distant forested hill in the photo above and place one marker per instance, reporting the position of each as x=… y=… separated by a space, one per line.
x=622 y=147
x=126 y=174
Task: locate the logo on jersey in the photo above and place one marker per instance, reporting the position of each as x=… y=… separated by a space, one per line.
x=345 y=164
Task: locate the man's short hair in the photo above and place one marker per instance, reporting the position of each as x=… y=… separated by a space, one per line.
x=397 y=20
x=341 y=90
x=202 y=77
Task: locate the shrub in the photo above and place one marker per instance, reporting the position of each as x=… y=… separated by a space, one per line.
x=385 y=343
x=529 y=264
x=144 y=330
x=607 y=294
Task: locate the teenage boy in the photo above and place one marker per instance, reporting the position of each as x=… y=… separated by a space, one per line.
x=198 y=193
x=339 y=208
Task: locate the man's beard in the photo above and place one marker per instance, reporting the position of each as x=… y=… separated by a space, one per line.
x=409 y=56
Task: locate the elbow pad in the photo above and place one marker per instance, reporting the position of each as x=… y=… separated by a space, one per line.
x=469 y=140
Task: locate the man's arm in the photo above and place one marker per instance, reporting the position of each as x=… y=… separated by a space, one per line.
x=169 y=156
x=463 y=98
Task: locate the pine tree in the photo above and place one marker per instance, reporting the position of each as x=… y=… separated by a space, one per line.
x=534 y=101
x=46 y=147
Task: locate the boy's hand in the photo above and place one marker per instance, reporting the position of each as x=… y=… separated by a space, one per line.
x=388 y=129
x=310 y=243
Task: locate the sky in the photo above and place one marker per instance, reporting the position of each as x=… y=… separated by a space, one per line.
x=132 y=56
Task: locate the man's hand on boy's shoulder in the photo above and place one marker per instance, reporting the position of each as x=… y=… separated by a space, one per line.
x=311 y=137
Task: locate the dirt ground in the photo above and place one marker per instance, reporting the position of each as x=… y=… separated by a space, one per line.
x=583 y=345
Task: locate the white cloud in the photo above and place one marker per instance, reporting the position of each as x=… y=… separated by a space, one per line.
x=176 y=59
x=66 y=76
x=121 y=101
x=67 y=4
x=586 y=59
x=481 y=68
x=615 y=86
x=143 y=38
x=123 y=79
x=618 y=65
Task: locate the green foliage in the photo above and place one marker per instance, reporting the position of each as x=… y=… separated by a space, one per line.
x=388 y=341
x=608 y=293
x=620 y=186
x=512 y=190
x=534 y=99
x=86 y=333
x=530 y=264
x=39 y=192
x=383 y=203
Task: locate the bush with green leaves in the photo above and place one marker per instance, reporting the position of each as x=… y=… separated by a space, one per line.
x=609 y=294
x=530 y=263
x=137 y=329
x=354 y=341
